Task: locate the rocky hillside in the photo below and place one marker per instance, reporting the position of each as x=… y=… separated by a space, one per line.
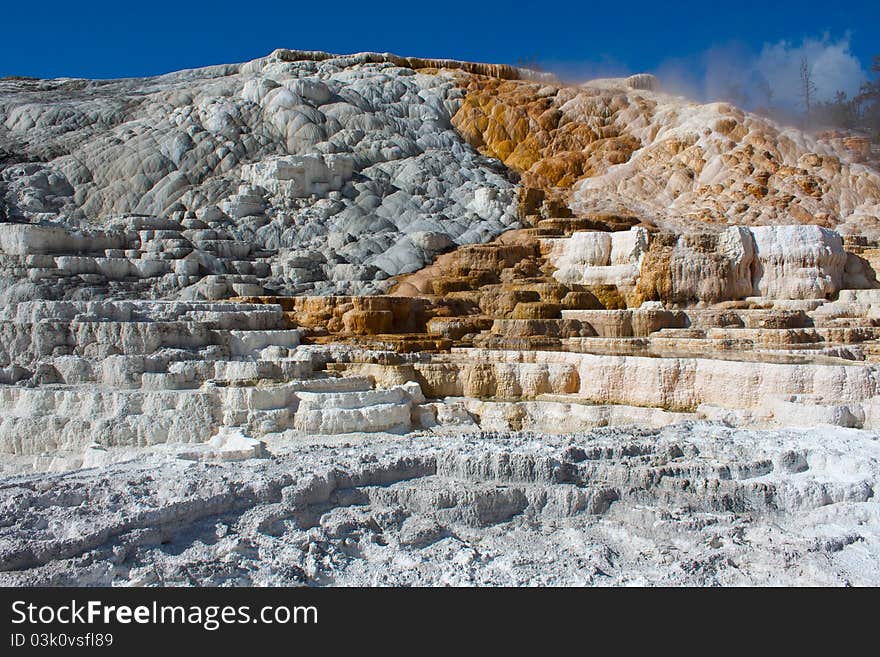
x=311 y=173
x=335 y=314
x=305 y=171
x=619 y=146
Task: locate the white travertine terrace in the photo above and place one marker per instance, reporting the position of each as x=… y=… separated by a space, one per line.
x=322 y=173
x=594 y=257
x=773 y=262
x=292 y=318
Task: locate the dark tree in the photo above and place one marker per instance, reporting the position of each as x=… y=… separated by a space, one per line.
x=841 y=112
x=808 y=90
x=869 y=97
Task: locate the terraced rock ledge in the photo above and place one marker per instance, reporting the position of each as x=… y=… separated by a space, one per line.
x=366 y=319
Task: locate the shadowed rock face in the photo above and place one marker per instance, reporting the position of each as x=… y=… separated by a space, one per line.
x=294 y=307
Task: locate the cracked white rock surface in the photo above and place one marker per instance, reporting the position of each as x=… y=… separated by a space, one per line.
x=689 y=504
x=308 y=176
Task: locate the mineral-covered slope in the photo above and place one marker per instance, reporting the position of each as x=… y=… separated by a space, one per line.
x=621 y=147
x=309 y=174
x=339 y=319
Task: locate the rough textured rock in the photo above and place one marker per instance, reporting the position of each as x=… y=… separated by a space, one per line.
x=622 y=146
x=367 y=319
x=321 y=173
x=774 y=262
x=690 y=504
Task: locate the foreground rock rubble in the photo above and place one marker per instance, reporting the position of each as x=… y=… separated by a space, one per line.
x=366 y=319
x=693 y=504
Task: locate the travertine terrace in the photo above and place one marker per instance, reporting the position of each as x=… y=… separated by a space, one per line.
x=327 y=319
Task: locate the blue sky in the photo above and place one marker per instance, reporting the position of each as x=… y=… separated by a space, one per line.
x=690 y=42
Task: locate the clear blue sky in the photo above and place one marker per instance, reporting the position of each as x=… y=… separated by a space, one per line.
x=102 y=39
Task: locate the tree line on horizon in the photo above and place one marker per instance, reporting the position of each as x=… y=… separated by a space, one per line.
x=860 y=113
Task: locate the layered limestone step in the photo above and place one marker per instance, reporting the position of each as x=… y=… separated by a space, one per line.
x=248 y=343
x=688 y=343
x=641 y=322
x=272 y=407
x=626 y=323
x=357 y=412
x=804 y=411
x=866 y=297
x=35 y=332
x=25 y=239
x=456 y=328
x=673 y=384
x=49 y=418
x=792 y=337
x=765 y=348
x=229 y=316
x=27 y=346
x=173 y=369
x=165 y=255
x=557 y=328
x=776 y=262
x=557 y=414
x=851 y=306
x=598 y=257
x=459 y=375
x=348 y=315
x=227 y=445
x=69 y=418
x=780 y=262
x=576 y=288
x=716 y=329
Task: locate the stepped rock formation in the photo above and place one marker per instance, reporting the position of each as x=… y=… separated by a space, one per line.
x=308 y=318
x=323 y=175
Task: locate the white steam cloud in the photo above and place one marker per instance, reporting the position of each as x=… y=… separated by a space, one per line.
x=833 y=68
x=766 y=79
